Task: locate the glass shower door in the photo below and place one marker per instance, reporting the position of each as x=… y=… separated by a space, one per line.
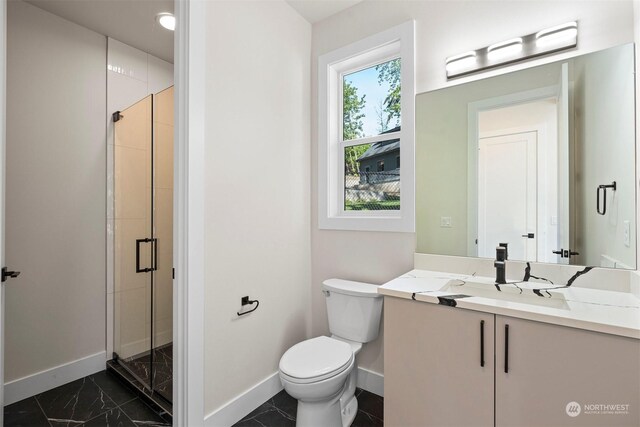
x=134 y=246
x=162 y=307
x=143 y=244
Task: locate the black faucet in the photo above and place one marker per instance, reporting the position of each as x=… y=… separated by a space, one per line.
x=501 y=263
x=506 y=250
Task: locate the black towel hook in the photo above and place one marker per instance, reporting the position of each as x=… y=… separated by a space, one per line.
x=603 y=187
x=246 y=301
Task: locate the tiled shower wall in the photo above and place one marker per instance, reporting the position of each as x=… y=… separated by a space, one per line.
x=131 y=76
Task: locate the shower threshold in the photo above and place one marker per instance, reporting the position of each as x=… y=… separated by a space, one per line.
x=152 y=381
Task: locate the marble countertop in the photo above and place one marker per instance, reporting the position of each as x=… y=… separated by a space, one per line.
x=610 y=312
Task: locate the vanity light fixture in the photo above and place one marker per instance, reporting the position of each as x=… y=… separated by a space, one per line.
x=167 y=20
x=544 y=42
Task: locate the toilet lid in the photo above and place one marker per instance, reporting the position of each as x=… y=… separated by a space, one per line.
x=316 y=357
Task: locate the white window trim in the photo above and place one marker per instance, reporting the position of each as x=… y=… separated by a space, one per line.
x=396 y=42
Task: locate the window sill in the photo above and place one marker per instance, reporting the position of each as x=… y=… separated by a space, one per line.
x=385 y=223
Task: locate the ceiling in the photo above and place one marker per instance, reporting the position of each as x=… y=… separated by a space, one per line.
x=133 y=21
x=317 y=10
x=129 y=21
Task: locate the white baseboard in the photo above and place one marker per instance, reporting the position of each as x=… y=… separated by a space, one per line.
x=31 y=385
x=236 y=409
x=371 y=381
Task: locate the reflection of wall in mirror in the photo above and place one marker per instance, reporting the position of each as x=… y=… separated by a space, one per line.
x=603 y=91
x=442 y=154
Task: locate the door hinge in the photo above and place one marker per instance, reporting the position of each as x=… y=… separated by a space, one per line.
x=173 y=273
x=117 y=116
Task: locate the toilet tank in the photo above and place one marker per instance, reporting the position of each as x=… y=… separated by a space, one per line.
x=354 y=309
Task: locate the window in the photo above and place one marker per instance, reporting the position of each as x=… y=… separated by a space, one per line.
x=366 y=116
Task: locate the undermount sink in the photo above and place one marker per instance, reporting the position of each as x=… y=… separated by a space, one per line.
x=509 y=292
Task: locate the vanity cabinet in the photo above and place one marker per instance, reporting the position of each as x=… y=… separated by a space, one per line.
x=550 y=366
x=434 y=377
x=432 y=365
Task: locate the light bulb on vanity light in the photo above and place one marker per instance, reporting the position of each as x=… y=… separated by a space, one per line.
x=505 y=49
x=467 y=60
x=167 y=20
x=557 y=35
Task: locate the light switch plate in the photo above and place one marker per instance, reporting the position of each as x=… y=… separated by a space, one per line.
x=445 y=221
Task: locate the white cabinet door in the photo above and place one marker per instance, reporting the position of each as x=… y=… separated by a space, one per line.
x=559 y=376
x=432 y=369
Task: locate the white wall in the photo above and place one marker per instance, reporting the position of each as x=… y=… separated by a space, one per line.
x=55 y=197
x=257 y=191
x=132 y=75
x=443 y=28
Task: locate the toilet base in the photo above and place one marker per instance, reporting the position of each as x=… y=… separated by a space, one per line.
x=326 y=414
x=349 y=412
x=339 y=411
x=319 y=414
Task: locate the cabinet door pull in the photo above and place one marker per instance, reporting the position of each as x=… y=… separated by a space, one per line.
x=506 y=349
x=482 y=343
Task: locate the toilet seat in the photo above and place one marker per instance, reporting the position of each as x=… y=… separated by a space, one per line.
x=316 y=359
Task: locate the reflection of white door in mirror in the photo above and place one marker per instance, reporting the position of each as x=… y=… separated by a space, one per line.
x=507 y=202
x=529 y=111
x=534 y=111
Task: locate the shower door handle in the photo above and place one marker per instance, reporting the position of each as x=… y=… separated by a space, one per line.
x=155 y=254
x=138 y=269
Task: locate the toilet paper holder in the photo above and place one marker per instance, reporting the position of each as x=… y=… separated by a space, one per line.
x=246 y=301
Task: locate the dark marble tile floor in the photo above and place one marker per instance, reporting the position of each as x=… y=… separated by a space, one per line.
x=280 y=411
x=99 y=400
x=160 y=370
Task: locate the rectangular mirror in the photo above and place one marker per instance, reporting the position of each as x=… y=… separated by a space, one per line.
x=543 y=159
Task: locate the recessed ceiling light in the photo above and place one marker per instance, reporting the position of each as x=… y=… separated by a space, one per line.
x=167 y=20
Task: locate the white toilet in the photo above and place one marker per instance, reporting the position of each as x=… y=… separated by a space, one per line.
x=321 y=372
